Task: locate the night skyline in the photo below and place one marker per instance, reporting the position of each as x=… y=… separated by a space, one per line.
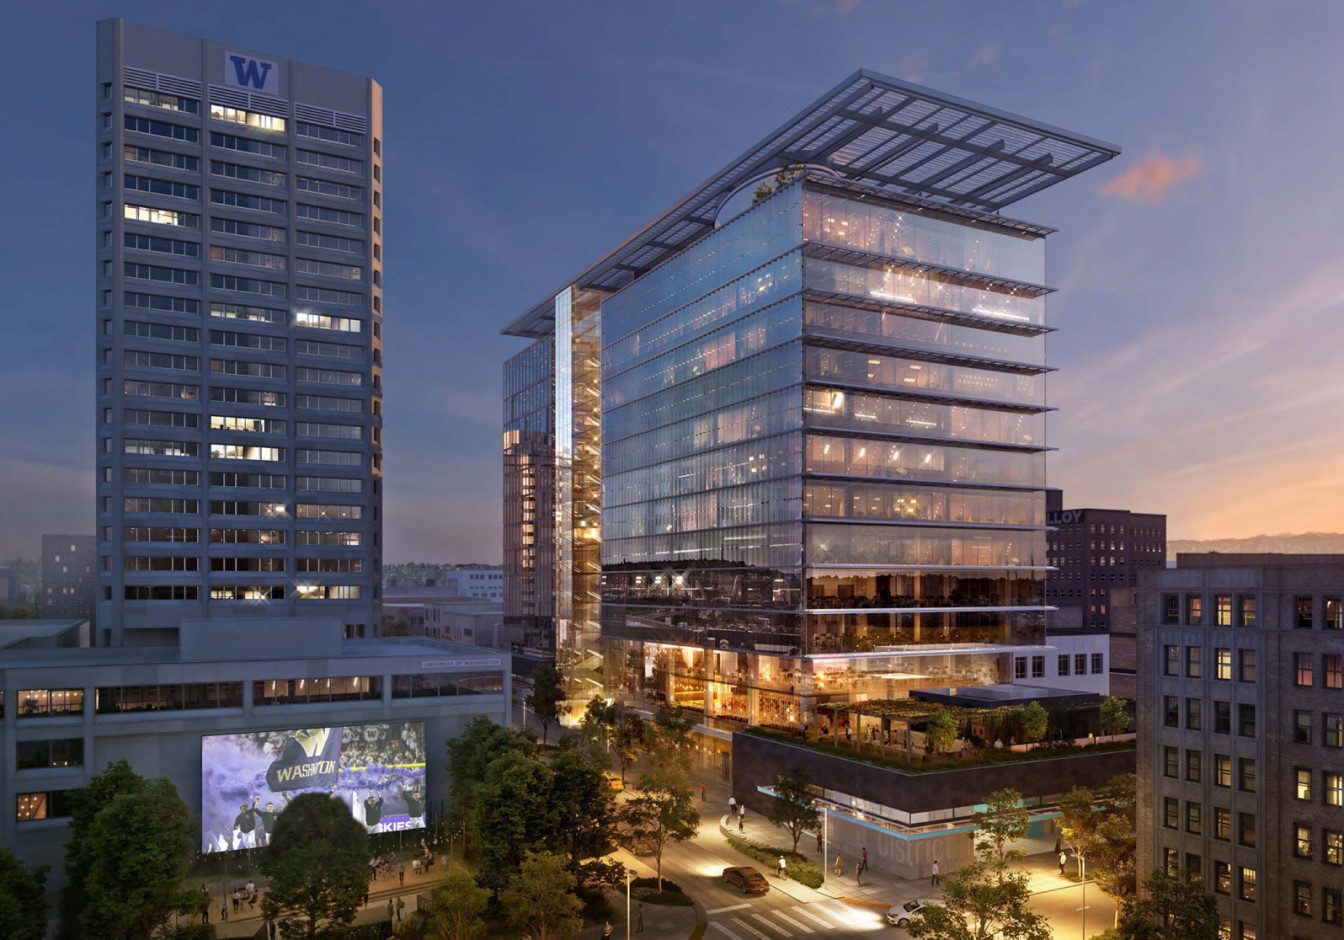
x=494 y=203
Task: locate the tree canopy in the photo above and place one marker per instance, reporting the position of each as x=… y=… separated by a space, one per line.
x=23 y=899
x=137 y=849
x=982 y=901
x=548 y=692
x=318 y=864
x=117 y=778
x=1171 y=906
x=664 y=812
x=793 y=809
x=481 y=742
x=456 y=907
x=1003 y=821
x=539 y=901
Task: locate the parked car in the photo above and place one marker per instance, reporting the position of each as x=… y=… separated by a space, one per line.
x=747 y=878
x=900 y=915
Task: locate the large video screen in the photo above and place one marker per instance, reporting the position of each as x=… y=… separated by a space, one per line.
x=378 y=770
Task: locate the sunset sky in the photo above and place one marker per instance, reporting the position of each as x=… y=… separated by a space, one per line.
x=1201 y=274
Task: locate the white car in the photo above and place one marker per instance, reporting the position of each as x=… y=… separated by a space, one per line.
x=900 y=915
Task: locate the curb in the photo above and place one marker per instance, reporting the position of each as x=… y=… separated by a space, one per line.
x=862 y=903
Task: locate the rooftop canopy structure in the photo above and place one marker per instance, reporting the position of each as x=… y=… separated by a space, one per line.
x=893 y=136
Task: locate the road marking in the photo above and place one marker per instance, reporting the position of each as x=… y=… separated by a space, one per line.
x=785 y=917
x=730 y=907
x=746 y=926
x=773 y=926
x=715 y=923
x=823 y=922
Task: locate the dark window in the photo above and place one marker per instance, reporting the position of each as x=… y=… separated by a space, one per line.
x=1194 y=662
x=1303 y=670
x=1246 y=774
x=1247 y=605
x=1302 y=610
x=1301 y=727
x=1171 y=661
x=1246 y=665
x=431 y=686
x=1193 y=766
x=1171 y=711
x=1334 y=613
x=1246 y=720
x=61 y=752
x=1171 y=609
x=1193 y=713
x=1302 y=898
x=1171 y=812
x=1171 y=762
x=1246 y=829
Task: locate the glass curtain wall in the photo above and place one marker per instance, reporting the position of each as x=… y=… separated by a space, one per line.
x=529 y=497
x=823 y=442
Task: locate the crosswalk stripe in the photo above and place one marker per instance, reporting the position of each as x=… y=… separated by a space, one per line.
x=842 y=914
x=785 y=917
x=724 y=910
x=715 y=923
x=816 y=918
x=746 y=926
x=773 y=926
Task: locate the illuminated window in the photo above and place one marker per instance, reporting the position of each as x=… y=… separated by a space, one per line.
x=37 y=703
x=264 y=122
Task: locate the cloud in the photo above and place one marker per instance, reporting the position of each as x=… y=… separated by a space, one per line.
x=1153 y=177
x=987 y=55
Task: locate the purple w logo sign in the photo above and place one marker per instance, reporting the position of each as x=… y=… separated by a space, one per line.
x=250 y=71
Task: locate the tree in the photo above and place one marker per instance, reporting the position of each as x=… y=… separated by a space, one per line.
x=1171 y=906
x=515 y=813
x=1035 y=722
x=23 y=899
x=85 y=803
x=481 y=742
x=980 y=902
x=1114 y=715
x=599 y=722
x=1113 y=855
x=137 y=850
x=942 y=730
x=548 y=691
x=1004 y=820
x=669 y=739
x=663 y=813
x=628 y=739
x=318 y=863
x=540 y=902
x=456 y=907
x=793 y=809
x=1077 y=820
x=583 y=805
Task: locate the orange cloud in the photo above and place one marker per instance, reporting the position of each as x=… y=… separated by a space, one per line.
x=1152 y=178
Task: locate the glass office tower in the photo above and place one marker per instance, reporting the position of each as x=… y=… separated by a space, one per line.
x=239 y=337
x=823 y=443
x=823 y=413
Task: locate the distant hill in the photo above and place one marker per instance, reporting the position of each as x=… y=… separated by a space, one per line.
x=1306 y=543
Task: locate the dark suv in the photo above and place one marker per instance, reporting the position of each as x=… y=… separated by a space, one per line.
x=748 y=879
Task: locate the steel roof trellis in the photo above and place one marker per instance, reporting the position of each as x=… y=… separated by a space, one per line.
x=891 y=136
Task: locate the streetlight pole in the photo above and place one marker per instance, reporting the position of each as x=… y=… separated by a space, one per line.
x=628 y=873
x=1082 y=860
x=825 y=844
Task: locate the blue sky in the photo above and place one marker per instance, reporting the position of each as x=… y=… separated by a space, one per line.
x=1201 y=308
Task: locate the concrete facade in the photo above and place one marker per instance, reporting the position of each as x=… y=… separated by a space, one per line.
x=1241 y=718
x=238 y=255
x=73 y=701
x=69 y=577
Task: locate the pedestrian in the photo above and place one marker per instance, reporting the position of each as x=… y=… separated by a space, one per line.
x=858 y=873
x=819 y=839
x=401 y=902
x=389 y=910
x=838 y=866
x=865 y=858
x=742 y=824
x=732 y=806
x=607 y=931
x=205 y=909
x=401 y=874
x=251 y=887
x=639 y=919
x=702 y=793
x=934 y=880
x=252 y=901
x=782 y=865
x=1058 y=845
x=237 y=900
x=1062 y=859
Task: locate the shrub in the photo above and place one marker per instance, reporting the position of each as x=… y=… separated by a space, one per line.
x=800 y=868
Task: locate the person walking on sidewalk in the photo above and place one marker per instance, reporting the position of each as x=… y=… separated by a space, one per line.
x=639 y=919
x=389 y=910
x=858 y=873
x=933 y=880
x=401 y=874
x=1062 y=859
x=865 y=858
x=732 y=806
x=819 y=839
x=839 y=866
x=781 y=866
x=702 y=793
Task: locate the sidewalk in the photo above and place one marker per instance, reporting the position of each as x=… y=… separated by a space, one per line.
x=878 y=888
